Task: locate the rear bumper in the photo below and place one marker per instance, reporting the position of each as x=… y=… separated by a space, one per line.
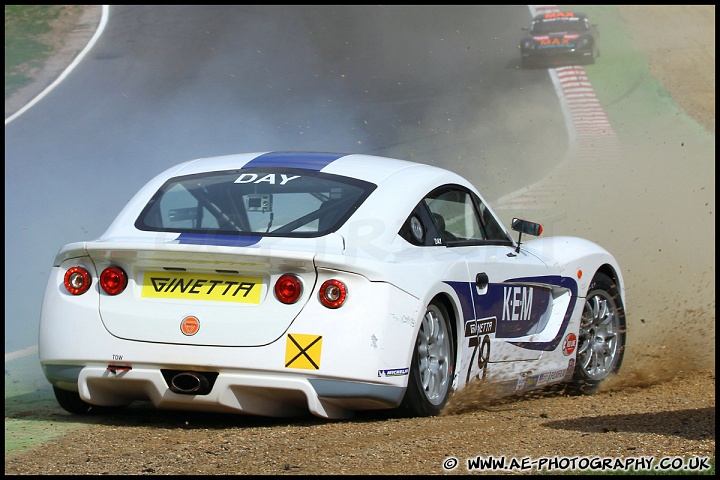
x=329 y=362
x=553 y=55
x=254 y=393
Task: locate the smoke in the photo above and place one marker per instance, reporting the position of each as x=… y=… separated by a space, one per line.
x=434 y=84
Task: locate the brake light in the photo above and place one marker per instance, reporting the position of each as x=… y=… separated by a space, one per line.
x=113 y=280
x=288 y=288
x=333 y=293
x=77 y=280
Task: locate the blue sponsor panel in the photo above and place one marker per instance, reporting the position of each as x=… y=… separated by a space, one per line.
x=521 y=306
x=520 y=309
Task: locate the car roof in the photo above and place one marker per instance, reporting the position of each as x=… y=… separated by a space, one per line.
x=400 y=183
x=371 y=168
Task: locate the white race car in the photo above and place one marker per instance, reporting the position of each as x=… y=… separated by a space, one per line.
x=285 y=282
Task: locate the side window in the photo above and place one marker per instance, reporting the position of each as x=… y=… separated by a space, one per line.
x=454 y=213
x=454 y=216
x=419 y=228
x=491 y=226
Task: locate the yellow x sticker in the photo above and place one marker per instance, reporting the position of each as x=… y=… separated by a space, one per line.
x=303 y=351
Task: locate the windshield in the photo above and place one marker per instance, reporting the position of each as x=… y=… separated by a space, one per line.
x=271 y=202
x=559 y=24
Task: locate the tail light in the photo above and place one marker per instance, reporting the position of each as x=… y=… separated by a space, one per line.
x=113 y=280
x=77 y=280
x=333 y=293
x=288 y=288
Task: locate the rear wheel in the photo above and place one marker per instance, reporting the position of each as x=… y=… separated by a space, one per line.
x=601 y=345
x=433 y=364
x=71 y=402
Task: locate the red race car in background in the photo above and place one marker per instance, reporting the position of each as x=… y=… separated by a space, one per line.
x=560 y=39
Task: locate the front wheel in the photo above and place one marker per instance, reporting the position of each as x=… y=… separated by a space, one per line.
x=601 y=345
x=433 y=364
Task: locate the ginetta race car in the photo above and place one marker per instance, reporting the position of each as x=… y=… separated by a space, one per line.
x=285 y=282
x=560 y=38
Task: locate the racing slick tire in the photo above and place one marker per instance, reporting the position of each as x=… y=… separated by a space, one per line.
x=601 y=343
x=433 y=365
x=71 y=402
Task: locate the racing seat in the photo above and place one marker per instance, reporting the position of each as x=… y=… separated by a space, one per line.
x=440 y=222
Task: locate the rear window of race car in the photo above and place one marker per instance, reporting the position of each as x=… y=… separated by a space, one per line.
x=267 y=202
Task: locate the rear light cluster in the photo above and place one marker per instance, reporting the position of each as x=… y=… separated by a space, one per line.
x=77 y=280
x=288 y=289
x=113 y=280
x=333 y=293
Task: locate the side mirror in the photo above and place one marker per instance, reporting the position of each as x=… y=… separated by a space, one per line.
x=525 y=226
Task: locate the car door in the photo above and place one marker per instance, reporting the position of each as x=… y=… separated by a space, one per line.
x=511 y=291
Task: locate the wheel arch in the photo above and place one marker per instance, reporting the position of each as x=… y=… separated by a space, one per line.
x=616 y=277
x=455 y=317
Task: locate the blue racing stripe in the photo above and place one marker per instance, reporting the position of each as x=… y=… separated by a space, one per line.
x=218 y=240
x=304 y=160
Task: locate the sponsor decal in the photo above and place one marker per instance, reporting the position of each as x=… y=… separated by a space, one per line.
x=498 y=301
x=547 y=42
x=190 y=325
x=526 y=382
x=475 y=328
x=197 y=286
x=303 y=351
x=395 y=372
x=559 y=15
x=479 y=332
x=570 y=368
x=556 y=376
x=569 y=344
x=270 y=178
x=517 y=304
x=522 y=310
x=530 y=382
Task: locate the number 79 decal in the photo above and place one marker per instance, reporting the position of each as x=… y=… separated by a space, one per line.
x=479 y=332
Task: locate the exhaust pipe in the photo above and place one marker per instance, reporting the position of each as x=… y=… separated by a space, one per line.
x=190 y=383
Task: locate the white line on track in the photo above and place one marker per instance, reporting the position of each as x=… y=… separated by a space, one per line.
x=101 y=27
x=70 y=68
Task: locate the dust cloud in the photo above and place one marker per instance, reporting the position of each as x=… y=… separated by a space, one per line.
x=652 y=205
